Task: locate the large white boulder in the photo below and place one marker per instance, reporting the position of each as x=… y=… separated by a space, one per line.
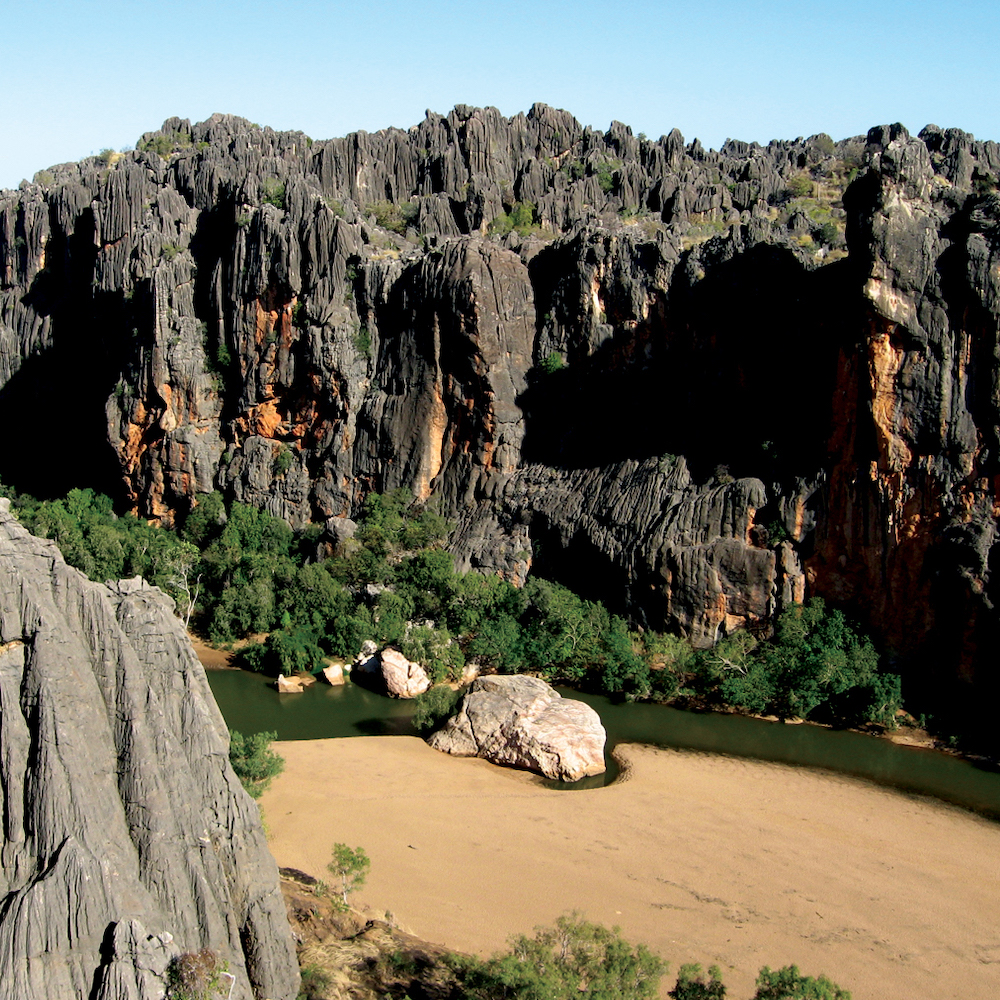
x=403 y=678
x=390 y=670
x=523 y=722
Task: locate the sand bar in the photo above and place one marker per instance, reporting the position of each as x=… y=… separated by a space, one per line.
x=703 y=858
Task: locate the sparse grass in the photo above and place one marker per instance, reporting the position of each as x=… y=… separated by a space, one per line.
x=273 y=192
x=397 y=218
x=702 y=230
x=522 y=218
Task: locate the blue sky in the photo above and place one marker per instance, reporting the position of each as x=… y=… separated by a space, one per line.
x=82 y=75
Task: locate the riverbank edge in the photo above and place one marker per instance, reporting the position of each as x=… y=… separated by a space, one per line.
x=217 y=658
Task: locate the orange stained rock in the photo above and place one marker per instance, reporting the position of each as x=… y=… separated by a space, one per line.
x=168 y=419
x=800 y=517
x=884 y=362
x=265 y=419
x=437 y=423
x=265 y=321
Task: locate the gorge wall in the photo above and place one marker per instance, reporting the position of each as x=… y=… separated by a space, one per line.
x=696 y=384
x=127 y=839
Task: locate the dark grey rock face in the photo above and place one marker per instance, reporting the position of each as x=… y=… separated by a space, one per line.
x=666 y=396
x=127 y=838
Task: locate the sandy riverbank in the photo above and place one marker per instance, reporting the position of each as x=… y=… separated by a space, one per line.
x=703 y=858
x=211 y=657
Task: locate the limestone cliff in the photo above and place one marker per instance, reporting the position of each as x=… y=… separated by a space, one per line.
x=127 y=839
x=676 y=391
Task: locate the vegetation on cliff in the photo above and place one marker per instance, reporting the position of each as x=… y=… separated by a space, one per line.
x=242 y=571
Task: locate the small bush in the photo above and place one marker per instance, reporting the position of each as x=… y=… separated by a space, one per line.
x=575 y=958
x=253 y=760
x=300 y=318
x=363 y=342
x=692 y=984
x=282 y=461
x=315 y=983
x=198 y=975
x=789 y=984
x=827 y=234
x=521 y=219
x=160 y=144
x=434 y=707
x=350 y=868
x=799 y=186
x=605 y=177
x=551 y=363
x=395 y=218
x=273 y=192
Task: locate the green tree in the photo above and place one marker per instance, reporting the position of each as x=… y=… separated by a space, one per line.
x=350 y=868
x=294 y=650
x=435 y=650
x=574 y=958
x=391 y=614
x=818 y=666
x=789 y=984
x=692 y=984
x=498 y=642
x=314 y=598
x=434 y=707
x=253 y=760
x=427 y=578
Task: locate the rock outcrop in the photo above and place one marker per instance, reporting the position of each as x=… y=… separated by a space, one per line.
x=403 y=678
x=391 y=672
x=673 y=388
x=127 y=839
x=522 y=722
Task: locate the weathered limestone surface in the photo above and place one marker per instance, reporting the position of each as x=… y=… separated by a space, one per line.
x=522 y=722
x=737 y=422
x=127 y=838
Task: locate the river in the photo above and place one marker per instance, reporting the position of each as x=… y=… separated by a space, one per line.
x=250 y=703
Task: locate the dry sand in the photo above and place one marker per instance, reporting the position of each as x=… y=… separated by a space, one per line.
x=703 y=858
x=212 y=658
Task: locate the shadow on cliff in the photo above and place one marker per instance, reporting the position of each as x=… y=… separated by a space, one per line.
x=53 y=408
x=736 y=374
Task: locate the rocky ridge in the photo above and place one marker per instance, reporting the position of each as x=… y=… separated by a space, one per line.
x=672 y=386
x=127 y=838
